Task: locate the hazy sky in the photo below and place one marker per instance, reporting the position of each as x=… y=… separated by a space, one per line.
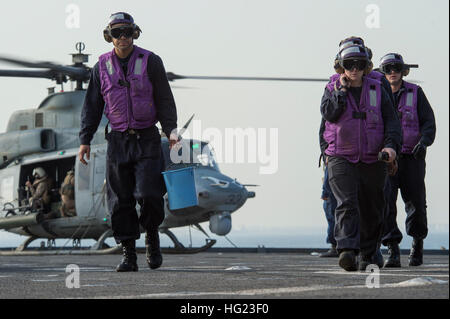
x=259 y=38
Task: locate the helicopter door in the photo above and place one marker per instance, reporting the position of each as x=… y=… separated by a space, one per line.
x=90 y=186
x=99 y=184
x=83 y=188
x=8 y=184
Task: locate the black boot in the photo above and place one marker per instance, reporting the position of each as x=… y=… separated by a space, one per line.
x=347 y=260
x=129 y=260
x=330 y=253
x=377 y=258
x=364 y=261
x=152 y=249
x=393 y=260
x=416 y=255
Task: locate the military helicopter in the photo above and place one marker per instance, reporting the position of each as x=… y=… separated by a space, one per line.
x=47 y=137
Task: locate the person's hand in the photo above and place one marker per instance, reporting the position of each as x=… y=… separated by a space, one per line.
x=173 y=140
x=419 y=151
x=392 y=154
x=84 y=149
x=345 y=82
x=28 y=184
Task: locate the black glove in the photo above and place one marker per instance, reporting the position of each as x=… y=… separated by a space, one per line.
x=419 y=151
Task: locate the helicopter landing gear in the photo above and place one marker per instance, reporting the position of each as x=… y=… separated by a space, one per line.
x=76 y=243
x=174 y=239
x=51 y=244
x=179 y=247
x=100 y=244
x=25 y=244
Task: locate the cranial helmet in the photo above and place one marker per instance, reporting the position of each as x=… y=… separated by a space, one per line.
x=351 y=42
x=39 y=172
x=120 y=17
x=354 y=52
x=393 y=58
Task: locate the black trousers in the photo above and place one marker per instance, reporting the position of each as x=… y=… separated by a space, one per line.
x=134 y=163
x=358 y=189
x=410 y=179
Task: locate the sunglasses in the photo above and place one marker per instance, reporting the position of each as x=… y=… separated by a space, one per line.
x=396 y=67
x=349 y=65
x=127 y=32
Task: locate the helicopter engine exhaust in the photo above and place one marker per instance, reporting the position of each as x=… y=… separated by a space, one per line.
x=220 y=223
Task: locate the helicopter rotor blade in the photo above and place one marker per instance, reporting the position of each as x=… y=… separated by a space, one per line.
x=185 y=126
x=182 y=87
x=27 y=74
x=67 y=70
x=172 y=77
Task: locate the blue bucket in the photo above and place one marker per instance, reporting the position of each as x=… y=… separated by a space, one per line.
x=180 y=184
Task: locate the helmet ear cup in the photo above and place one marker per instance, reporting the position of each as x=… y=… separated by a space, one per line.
x=339 y=70
x=368 y=68
x=405 y=72
x=337 y=67
x=106 y=35
x=137 y=32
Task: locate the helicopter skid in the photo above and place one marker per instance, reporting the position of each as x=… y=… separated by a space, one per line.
x=179 y=247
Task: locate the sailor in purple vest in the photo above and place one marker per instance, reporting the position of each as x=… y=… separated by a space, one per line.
x=129 y=85
x=418 y=130
x=360 y=122
x=330 y=205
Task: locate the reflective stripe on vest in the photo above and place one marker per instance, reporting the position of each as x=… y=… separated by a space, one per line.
x=407 y=106
x=138 y=66
x=373 y=96
x=409 y=98
x=109 y=67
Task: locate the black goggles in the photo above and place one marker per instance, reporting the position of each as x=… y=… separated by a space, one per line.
x=125 y=31
x=396 y=67
x=354 y=64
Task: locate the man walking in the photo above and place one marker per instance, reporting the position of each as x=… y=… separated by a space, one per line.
x=130 y=86
x=418 y=131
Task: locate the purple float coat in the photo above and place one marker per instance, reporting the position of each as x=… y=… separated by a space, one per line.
x=128 y=98
x=407 y=106
x=376 y=75
x=358 y=135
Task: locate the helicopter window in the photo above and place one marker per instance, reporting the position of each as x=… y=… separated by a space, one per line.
x=199 y=154
x=56 y=170
x=23 y=127
x=207 y=157
x=39 y=120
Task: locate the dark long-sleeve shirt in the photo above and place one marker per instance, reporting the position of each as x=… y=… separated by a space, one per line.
x=94 y=103
x=427 y=122
x=334 y=103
